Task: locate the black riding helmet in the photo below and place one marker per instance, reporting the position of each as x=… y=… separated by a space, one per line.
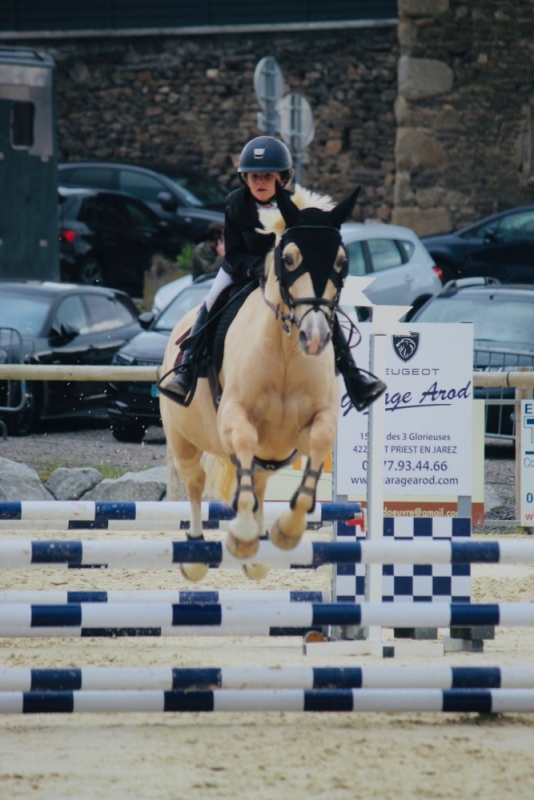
x=266 y=154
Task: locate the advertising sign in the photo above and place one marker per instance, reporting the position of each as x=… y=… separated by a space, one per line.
x=429 y=403
x=527 y=463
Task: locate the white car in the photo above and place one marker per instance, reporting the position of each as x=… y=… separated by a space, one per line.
x=163 y=296
x=404 y=272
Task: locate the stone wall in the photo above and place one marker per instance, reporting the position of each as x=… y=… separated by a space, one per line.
x=189 y=102
x=465 y=91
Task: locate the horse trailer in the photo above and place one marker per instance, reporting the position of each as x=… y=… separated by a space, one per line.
x=28 y=166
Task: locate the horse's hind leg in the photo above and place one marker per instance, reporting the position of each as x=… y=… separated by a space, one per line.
x=187 y=456
x=258 y=571
x=240 y=438
x=287 y=531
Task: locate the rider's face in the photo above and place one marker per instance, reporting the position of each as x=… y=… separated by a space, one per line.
x=262 y=184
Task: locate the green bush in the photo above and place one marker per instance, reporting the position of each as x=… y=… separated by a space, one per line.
x=184 y=260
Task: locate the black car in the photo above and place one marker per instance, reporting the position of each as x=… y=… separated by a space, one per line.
x=169 y=198
x=134 y=406
x=503 y=317
x=60 y=324
x=109 y=238
x=501 y=246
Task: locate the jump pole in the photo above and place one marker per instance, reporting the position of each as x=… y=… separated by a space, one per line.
x=167 y=554
x=481 y=701
x=23 y=679
x=152 y=514
x=270 y=619
x=56 y=597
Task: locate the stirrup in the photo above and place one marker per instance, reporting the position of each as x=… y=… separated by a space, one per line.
x=181 y=400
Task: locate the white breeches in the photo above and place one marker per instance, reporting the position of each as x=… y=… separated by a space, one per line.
x=222 y=280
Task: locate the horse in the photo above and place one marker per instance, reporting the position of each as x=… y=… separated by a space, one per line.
x=280 y=393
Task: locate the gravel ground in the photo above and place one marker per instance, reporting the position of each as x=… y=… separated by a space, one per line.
x=92 y=445
x=89 y=444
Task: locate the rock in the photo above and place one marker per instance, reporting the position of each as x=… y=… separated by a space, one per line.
x=423 y=77
x=19 y=482
x=423 y=8
x=417 y=147
x=429 y=198
x=150 y=484
x=71 y=484
x=403 y=193
x=423 y=222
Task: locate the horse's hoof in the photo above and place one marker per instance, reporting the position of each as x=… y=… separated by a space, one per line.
x=255 y=571
x=240 y=549
x=194 y=572
x=281 y=540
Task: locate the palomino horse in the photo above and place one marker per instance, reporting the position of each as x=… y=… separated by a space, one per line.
x=280 y=390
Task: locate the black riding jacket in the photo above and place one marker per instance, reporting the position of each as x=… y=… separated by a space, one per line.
x=245 y=248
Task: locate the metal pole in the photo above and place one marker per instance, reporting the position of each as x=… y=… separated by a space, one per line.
x=296 y=137
x=270 y=97
x=375 y=477
x=520 y=394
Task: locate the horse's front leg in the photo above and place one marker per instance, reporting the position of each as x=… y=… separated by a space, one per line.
x=240 y=438
x=287 y=531
x=258 y=571
x=187 y=457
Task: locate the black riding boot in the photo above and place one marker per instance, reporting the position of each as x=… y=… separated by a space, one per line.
x=362 y=388
x=181 y=388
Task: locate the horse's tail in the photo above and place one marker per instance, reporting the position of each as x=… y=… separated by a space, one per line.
x=222 y=478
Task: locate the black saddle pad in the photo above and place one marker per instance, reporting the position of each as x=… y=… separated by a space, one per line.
x=228 y=304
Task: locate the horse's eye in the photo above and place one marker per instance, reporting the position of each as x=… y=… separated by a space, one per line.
x=341 y=264
x=291 y=256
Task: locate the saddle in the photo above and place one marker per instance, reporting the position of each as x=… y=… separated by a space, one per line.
x=210 y=358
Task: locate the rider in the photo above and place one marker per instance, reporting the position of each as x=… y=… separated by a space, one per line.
x=263 y=161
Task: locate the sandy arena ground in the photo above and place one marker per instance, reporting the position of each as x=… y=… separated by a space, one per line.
x=267 y=756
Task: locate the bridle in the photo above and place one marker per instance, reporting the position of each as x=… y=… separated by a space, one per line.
x=287 y=278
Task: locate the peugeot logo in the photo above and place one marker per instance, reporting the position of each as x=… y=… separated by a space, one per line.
x=406 y=346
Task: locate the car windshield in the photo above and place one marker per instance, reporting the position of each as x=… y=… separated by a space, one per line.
x=26 y=314
x=181 y=305
x=497 y=321
x=202 y=194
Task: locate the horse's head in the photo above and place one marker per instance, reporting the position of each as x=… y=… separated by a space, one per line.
x=311 y=264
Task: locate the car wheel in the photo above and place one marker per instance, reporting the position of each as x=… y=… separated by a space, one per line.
x=23 y=422
x=128 y=431
x=91 y=273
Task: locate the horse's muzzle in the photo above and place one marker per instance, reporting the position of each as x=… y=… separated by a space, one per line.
x=314 y=332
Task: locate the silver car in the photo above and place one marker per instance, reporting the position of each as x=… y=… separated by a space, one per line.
x=403 y=270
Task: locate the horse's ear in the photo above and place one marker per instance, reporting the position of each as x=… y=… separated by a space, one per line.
x=343 y=210
x=286 y=206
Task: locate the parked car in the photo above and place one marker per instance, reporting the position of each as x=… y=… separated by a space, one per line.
x=501 y=246
x=503 y=318
x=110 y=238
x=168 y=292
x=62 y=324
x=404 y=272
x=168 y=198
x=132 y=407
